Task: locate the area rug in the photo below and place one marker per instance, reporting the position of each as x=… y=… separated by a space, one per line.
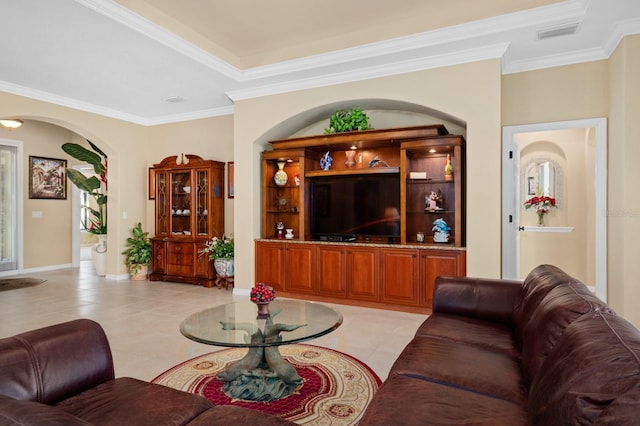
x=14 y=283
x=336 y=389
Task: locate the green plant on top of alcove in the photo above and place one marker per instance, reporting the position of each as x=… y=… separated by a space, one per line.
x=347 y=121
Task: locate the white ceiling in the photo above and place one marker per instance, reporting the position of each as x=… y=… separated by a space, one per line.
x=161 y=61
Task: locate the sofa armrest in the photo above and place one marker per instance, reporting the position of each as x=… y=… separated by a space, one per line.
x=53 y=363
x=487 y=299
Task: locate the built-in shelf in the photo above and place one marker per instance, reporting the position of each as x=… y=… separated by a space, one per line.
x=547 y=228
x=371 y=171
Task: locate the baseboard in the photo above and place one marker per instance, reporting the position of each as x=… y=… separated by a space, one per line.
x=35 y=270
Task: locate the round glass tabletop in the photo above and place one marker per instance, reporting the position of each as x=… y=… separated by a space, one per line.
x=237 y=324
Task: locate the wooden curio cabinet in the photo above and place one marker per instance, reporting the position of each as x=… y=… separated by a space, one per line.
x=189 y=210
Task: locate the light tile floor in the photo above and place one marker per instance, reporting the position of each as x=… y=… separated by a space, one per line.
x=142 y=318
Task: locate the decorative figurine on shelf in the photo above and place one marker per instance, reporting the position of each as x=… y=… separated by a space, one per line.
x=441 y=231
x=433 y=201
x=325 y=161
x=262 y=295
x=430 y=201
x=296 y=179
x=448 y=169
x=280 y=230
x=377 y=162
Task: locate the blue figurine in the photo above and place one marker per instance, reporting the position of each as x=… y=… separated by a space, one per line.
x=325 y=161
x=441 y=231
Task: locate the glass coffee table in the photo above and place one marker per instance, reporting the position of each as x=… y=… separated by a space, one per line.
x=262 y=375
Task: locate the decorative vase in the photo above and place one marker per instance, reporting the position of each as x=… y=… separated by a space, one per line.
x=280 y=177
x=541 y=219
x=224 y=267
x=350 y=159
x=263 y=310
x=448 y=169
x=99 y=255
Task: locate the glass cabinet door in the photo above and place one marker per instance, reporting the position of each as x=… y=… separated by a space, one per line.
x=162 y=204
x=181 y=203
x=202 y=207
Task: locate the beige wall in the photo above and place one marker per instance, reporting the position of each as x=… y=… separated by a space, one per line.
x=210 y=138
x=124 y=143
x=608 y=88
x=46 y=239
x=474 y=100
x=624 y=175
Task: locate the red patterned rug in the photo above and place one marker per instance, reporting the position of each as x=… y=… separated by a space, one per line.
x=336 y=389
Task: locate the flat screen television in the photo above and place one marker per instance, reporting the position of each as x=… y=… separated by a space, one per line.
x=347 y=208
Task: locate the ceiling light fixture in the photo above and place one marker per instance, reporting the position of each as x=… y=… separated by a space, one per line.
x=11 y=123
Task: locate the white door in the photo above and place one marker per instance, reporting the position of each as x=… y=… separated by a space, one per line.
x=10 y=206
x=515 y=191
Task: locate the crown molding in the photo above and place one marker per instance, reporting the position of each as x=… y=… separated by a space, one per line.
x=367 y=73
x=108 y=112
x=51 y=98
x=620 y=30
x=570 y=10
x=194 y=115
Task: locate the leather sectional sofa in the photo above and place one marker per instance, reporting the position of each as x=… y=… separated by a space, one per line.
x=542 y=352
x=64 y=375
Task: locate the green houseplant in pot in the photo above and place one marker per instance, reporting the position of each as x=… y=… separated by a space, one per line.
x=220 y=250
x=347 y=121
x=96 y=186
x=138 y=253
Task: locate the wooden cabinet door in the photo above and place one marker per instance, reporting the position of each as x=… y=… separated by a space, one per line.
x=204 y=266
x=438 y=262
x=270 y=264
x=331 y=270
x=362 y=273
x=299 y=261
x=399 y=280
x=159 y=258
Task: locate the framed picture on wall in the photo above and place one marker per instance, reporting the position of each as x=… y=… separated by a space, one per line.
x=47 y=178
x=230 y=180
x=152 y=183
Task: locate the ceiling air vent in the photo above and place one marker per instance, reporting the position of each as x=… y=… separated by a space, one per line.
x=557 y=31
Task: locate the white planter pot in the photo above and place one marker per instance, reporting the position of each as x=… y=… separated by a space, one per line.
x=224 y=267
x=99 y=255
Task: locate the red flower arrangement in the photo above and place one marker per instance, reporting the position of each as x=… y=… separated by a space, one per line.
x=262 y=293
x=542 y=203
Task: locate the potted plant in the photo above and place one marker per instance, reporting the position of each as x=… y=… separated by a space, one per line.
x=220 y=250
x=138 y=253
x=347 y=121
x=96 y=187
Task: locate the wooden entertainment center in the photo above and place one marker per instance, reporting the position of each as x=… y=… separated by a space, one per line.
x=394 y=271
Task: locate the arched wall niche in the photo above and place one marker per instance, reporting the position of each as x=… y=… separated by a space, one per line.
x=383 y=113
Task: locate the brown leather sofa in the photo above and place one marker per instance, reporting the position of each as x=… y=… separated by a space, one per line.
x=64 y=375
x=542 y=352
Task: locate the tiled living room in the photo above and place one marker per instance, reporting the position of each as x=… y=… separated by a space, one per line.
x=142 y=319
x=252 y=87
